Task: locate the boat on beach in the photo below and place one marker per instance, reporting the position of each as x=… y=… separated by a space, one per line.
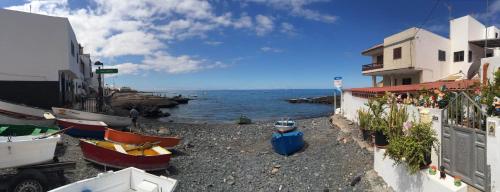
x=284 y=126
x=18 y=114
x=137 y=139
x=83 y=128
x=243 y=120
x=125 y=180
x=23 y=130
x=148 y=156
x=26 y=150
x=110 y=120
x=287 y=143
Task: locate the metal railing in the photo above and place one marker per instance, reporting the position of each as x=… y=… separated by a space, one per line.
x=372 y=66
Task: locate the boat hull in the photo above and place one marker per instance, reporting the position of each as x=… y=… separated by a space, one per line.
x=24 y=150
x=287 y=143
x=110 y=158
x=129 y=179
x=6 y=119
x=110 y=120
x=23 y=111
x=137 y=139
x=81 y=130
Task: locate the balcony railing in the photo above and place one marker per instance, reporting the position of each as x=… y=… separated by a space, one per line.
x=372 y=66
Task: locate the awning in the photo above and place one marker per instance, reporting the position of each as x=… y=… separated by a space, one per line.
x=451 y=85
x=488 y=42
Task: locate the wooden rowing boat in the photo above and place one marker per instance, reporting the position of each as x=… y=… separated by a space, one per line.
x=110 y=120
x=14 y=120
x=125 y=180
x=137 y=139
x=118 y=155
x=83 y=128
x=23 y=130
x=26 y=150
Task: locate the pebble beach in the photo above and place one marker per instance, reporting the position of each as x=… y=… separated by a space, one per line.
x=229 y=157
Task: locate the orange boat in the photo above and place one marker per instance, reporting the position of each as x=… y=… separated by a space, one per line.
x=137 y=139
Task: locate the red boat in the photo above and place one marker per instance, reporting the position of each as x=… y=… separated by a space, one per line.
x=83 y=128
x=121 y=156
x=137 y=139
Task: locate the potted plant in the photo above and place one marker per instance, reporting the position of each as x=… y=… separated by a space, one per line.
x=457 y=181
x=413 y=148
x=364 y=118
x=433 y=170
x=377 y=123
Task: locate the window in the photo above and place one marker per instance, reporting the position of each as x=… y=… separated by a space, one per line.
x=407 y=81
x=396 y=53
x=469 y=57
x=458 y=56
x=489 y=54
x=72 y=49
x=441 y=55
x=380 y=59
x=496 y=35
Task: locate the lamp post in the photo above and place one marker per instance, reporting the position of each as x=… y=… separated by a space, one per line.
x=100 y=93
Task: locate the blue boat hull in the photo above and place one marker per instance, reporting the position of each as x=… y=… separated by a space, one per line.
x=80 y=133
x=287 y=143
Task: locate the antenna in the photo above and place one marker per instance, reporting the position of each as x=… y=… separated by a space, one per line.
x=450 y=9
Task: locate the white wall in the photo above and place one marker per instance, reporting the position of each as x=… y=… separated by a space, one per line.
x=350 y=105
x=494 y=64
x=427 y=46
x=400 y=179
x=34 y=47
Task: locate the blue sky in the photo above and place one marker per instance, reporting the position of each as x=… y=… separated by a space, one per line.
x=254 y=44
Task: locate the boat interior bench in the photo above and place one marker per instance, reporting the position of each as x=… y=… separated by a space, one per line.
x=2 y=129
x=36 y=131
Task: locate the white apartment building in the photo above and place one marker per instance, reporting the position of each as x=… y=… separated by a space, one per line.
x=417 y=56
x=41 y=61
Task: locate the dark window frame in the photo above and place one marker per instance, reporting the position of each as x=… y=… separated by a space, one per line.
x=441 y=55
x=458 y=56
x=397 y=53
x=406 y=81
x=469 y=59
x=72 y=49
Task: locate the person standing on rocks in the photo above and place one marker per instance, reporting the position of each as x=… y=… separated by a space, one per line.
x=134 y=114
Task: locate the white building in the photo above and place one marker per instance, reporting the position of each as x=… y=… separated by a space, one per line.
x=41 y=61
x=418 y=56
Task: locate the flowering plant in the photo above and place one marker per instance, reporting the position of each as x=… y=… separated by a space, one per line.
x=433 y=170
x=457 y=181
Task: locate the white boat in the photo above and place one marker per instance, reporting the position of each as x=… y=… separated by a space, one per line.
x=111 y=120
x=6 y=119
x=22 y=111
x=26 y=150
x=125 y=180
x=284 y=126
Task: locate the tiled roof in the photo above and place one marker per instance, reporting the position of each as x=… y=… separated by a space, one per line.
x=452 y=85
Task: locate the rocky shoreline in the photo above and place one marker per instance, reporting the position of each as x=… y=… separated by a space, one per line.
x=228 y=157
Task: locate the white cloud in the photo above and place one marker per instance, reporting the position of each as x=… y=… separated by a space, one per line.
x=115 y=28
x=213 y=43
x=271 y=49
x=264 y=25
x=297 y=8
x=287 y=28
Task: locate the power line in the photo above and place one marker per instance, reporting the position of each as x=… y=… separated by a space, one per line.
x=428 y=17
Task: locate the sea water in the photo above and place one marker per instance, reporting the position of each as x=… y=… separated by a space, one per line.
x=259 y=105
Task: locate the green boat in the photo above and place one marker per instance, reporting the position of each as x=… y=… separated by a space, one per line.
x=243 y=120
x=22 y=130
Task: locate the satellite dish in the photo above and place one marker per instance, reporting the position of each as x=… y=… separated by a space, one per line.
x=473 y=70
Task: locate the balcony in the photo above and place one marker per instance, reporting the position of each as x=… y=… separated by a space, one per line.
x=372 y=66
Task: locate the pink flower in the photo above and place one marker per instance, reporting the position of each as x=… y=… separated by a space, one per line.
x=406 y=127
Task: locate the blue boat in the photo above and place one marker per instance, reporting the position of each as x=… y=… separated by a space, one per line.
x=287 y=143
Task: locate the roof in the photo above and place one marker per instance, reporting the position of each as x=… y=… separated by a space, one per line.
x=381 y=45
x=452 y=85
